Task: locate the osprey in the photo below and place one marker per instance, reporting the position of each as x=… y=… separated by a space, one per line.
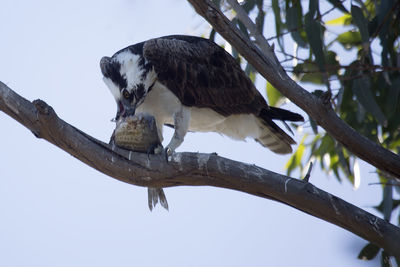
x=192 y=84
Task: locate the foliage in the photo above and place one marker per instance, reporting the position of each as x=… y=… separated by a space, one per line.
x=364 y=84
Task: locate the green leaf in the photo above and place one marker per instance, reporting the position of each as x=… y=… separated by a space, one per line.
x=275 y=98
x=362 y=90
x=278 y=22
x=242 y=28
x=293 y=22
x=212 y=35
x=314 y=125
x=295 y=160
x=314 y=35
x=260 y=19
x=340 y=21
x=396 y=203
x=369 y=252
x=250 y=71
x=249 y=5
x=339 y=5
x=361 y=22
x=392 y=98
x=326 y=147
x=313 y=7
x=308 y=72
x=387 y=201
x=217 y=2
x=344 y=163
x=360 y=113
x=349 y=39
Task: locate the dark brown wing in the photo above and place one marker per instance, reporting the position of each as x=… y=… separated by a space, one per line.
x=202 y=74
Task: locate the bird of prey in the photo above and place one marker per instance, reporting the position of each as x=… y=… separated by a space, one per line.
x=193 y=84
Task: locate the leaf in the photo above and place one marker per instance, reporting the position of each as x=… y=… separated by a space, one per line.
x=361 y=22
x=362 y=90
x=314 y=35
x=360 y=113
x=344 y=163
x=339 y=5
x=212 y=35
x=314 y=125
x=278 y=22
x=260 y=19
x=313 y=7
x=308 y=72
x=249 y=5
x=250 y=72
x=349 y=39
x=396 y=203
x=369 y=252
x=392 y=99
x=217 y=2
x=387 y=201
x=340 y=21
x=295 y=160
x=275 y=98
x=293 y=22
x=242 y=28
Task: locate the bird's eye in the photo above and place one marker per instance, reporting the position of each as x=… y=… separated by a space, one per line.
x=126 y=94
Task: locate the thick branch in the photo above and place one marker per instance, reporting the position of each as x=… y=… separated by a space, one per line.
x=196 y=169
x=268 y=66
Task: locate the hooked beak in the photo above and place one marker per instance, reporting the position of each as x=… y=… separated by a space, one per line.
x=124 y=110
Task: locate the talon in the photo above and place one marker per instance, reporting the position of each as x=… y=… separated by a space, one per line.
x=153 y=149
x=168 y=152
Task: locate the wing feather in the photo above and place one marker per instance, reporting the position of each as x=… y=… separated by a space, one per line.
x=202 y=74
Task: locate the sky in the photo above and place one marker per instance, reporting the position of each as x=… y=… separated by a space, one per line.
x=56 y=211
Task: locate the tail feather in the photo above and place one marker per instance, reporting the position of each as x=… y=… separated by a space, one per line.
x=272 y=136
x=155 y=194
x=281 y=114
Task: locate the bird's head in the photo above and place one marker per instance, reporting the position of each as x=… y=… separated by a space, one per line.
x=129 y=79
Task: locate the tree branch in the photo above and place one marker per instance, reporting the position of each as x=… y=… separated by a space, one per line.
x=269 y=67
x=196 y=169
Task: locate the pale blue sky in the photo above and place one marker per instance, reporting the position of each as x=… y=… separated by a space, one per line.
x=56 y=211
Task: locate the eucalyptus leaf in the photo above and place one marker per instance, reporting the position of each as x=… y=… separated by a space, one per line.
x=362 y=90
x=295 y=160
x=387 y=201
x=314 y=125
x=339 y=5
x=314 y=35
x=340 y=21
x=293 y=22
x=275 y=98
x=278 y=23
x=249 y=5
x=313 y=7
x=349 y=39
x=392 y=99
x=361 y=22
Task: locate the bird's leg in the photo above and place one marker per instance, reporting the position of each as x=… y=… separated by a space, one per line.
x=181 y=125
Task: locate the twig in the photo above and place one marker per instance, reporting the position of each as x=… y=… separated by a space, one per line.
x=244 y=18
x=307 y=177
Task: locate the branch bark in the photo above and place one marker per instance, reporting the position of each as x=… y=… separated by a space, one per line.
x=196 y=169
x=317 y=108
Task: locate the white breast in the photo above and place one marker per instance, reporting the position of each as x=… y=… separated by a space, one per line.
x=163 y=104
